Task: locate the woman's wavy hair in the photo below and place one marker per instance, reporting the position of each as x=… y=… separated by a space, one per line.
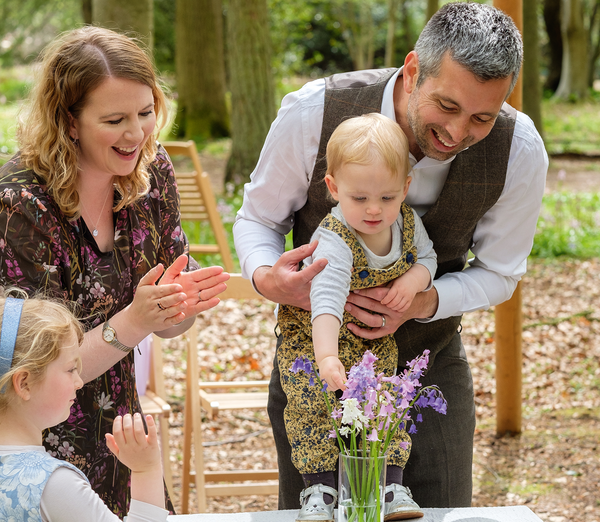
x=46 y=326
x=70 y=68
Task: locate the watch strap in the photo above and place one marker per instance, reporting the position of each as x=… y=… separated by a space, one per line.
x=115 y=342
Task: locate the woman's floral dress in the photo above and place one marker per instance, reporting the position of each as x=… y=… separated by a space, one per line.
x=40 y=249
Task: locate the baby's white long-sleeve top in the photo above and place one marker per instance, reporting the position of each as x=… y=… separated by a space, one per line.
x=330 y=288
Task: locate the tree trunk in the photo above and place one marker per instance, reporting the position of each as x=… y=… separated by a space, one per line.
x=358 y=29
x=574 y=77
x=201 y=109
x=594 y=42
x=251 y=84
x=86 y=11
x=390 y=43
x=409 y=39
x=432 y=7
x=532 y=92
x=555 y=44
x=126 y=16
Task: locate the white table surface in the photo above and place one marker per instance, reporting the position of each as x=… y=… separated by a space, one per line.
x=491 y=514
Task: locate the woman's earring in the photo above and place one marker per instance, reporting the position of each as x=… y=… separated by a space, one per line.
x=75 y=141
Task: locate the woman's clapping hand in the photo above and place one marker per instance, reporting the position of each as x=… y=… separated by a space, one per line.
x=201 y=287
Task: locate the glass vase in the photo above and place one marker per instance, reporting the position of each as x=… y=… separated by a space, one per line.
x=361 y=488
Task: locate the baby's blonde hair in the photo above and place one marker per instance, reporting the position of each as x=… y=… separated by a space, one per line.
x=366 y=139
x=45 y=326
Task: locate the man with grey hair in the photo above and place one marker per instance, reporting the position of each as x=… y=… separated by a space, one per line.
x=479 y=170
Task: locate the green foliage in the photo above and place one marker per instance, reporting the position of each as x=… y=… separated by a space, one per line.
x=308 y=37
x=26 y=26
x=572 y=127
x=305 y=40
x=164 y=35
x=13 y=89
x=569 y=225
x=8 y=127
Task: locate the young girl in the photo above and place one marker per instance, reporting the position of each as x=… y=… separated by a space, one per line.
x=39 y=375
x=370 y=238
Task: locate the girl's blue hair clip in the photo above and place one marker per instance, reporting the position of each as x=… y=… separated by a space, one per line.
x=11 y=319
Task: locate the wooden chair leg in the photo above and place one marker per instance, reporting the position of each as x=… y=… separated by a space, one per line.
x=187 y=448
x=193 y=430
x=193 y=371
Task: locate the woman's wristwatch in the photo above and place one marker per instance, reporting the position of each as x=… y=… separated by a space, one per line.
x=110 y=336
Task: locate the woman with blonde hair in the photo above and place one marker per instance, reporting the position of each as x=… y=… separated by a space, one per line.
x=89 y=211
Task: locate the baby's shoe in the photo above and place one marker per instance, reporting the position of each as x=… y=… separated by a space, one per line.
x=313 y=506
x=402 y=505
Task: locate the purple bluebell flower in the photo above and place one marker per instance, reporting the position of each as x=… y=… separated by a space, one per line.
x=422 y=402
x=302 y=364
x=361 y=378
x=371 y=405
x=372 y=437
x=438 y=404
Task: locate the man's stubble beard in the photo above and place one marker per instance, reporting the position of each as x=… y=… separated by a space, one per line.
x=421 y=132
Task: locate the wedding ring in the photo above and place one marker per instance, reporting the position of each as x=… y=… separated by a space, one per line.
x=382 y=321
x=199 y=296
x=161 y=306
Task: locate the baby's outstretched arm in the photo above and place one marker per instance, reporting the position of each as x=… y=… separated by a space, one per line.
x=140 y=453
x=404 y=288
x=326 y=328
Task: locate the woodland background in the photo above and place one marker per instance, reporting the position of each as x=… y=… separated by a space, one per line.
x=227 y=65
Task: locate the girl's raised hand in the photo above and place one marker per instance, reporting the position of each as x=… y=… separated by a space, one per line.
x=141 y=454
x=130 y=444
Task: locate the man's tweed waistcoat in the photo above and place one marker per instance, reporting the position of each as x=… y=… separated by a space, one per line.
x=474 y=184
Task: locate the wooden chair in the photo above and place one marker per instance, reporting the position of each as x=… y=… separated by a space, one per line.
x=212 y=398
x=198 y=201
x=153 y=403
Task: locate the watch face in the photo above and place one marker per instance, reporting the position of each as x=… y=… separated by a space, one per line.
x=108 y=334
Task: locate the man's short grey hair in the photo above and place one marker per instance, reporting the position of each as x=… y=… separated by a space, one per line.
x=479 y=37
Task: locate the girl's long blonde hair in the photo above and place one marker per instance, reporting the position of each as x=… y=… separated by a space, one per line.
x=71 y=67
x=46 y=326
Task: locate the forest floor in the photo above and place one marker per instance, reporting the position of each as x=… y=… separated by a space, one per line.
x=553 y=466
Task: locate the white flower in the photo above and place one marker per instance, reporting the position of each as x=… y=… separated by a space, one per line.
x=97 y=290
x=52 y=439
x=104 y=402
x=49 y=268
x=66 y=449
x=8 y=511
x=24 y=474
x=351 y=415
